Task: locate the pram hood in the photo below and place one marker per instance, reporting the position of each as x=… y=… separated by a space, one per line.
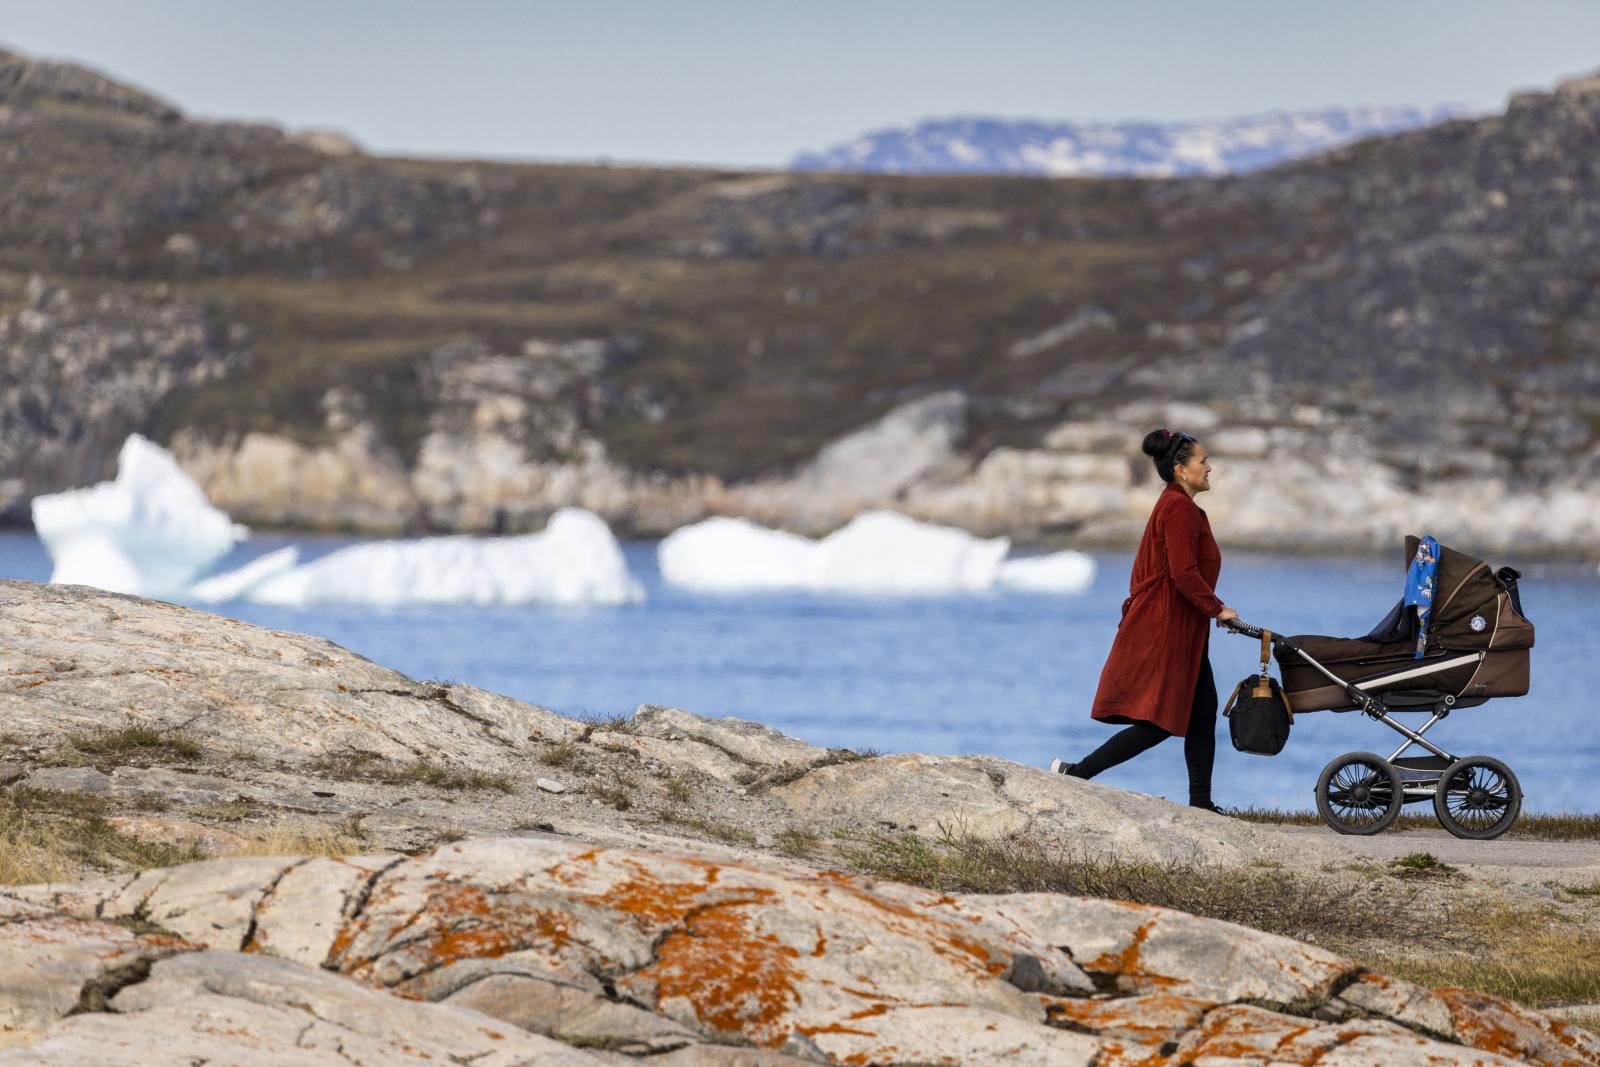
x=1475 y=610
x=1466 y=613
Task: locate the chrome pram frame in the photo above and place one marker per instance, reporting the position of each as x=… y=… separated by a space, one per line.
x=1475 y=797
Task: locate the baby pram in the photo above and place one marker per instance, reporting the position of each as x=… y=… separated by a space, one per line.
x=1476 y=648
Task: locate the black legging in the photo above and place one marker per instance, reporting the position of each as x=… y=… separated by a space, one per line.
x=1199 y=744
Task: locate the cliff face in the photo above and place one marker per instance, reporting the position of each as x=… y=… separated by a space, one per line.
x=1400 y=334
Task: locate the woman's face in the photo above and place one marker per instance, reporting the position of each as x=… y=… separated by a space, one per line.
x=1194 y=475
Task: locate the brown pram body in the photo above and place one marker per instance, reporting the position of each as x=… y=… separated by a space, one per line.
x=1478 y=644
x=1476 y=649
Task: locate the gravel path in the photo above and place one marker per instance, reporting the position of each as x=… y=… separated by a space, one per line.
x=1516 y=859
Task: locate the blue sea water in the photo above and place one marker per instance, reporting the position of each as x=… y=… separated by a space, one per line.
x=1008 y=674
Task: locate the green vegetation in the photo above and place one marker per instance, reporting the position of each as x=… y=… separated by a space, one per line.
x=1421 y=863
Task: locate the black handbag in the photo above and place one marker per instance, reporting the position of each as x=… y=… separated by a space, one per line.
x=1258 y=713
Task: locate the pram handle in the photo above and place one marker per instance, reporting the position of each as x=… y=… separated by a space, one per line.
x=1360 y=697
x=1239 y=626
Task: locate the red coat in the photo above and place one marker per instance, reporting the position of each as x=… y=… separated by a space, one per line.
x=1155 y=657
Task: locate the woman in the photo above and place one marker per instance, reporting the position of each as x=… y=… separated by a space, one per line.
x=1158 y=676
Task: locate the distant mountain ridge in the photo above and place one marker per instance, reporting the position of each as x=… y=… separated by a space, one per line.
x=984 y=145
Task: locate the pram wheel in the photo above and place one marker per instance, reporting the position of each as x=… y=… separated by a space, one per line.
x=1359 y=793
x=1477 y=798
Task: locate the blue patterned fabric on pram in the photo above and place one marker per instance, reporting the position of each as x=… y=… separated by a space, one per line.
x=1458 y=629
x=1419 y=588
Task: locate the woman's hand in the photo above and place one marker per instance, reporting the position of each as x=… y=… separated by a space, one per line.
x=1225 y=614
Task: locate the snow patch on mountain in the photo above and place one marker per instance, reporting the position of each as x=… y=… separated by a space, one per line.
x=980 y=145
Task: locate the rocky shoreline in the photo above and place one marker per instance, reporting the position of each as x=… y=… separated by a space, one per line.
x=518 y=887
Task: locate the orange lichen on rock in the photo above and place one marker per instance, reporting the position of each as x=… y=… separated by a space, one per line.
x=1127 y=966
x=467 y=923
x=869 y=1012
x=1145 y=1020
x=1117 y=1054
x=736 y=979
x=934 y=930
x=568 y=871
x=1499 y=1026
x=1244 y=1032
x=834 y=1028
x=655 y=899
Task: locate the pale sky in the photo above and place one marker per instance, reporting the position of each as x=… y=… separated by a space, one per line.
x=751 y=82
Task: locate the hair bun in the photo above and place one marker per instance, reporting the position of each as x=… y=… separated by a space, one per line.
x=1156 y=442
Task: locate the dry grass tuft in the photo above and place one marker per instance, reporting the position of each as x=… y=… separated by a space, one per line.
x=52 y=837
x=422 y=772
x=128 y=744
x=360 y=765
x=613 y=723
x=1276 y=901
x=1536 y=956
x=226 y=810
x=794 y=841
x=559 y=754
x=618 y=793
x=304 y=836
x=722 y=831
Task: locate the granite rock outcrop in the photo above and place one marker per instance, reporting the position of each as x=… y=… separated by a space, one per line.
x=482 y=951
x=507 y=885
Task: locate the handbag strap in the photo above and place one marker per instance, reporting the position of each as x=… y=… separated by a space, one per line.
x=1263 y=687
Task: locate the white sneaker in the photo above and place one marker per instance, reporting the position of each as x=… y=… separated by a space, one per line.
x=1060 y=766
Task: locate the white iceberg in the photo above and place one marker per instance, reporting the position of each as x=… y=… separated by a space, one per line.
x=574 y=560
x=149 y=532
x=734 y=555
x=1059 y=572
x=884 y=552
x=878 y=553
x=237 y=584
